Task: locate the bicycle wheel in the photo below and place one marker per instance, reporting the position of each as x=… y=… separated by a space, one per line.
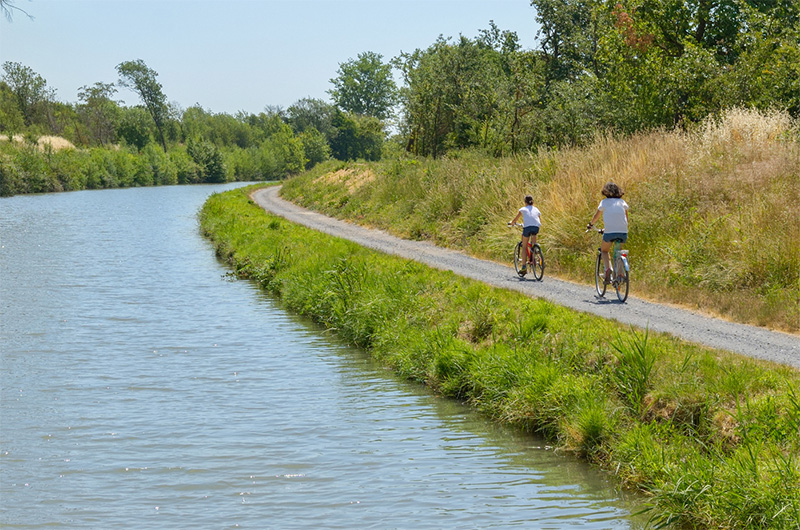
x=599 y=276
x=622 y=280
x=538 y=262
x=519 y=259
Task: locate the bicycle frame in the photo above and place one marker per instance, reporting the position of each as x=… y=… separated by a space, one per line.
x=533 y=256
x=619 y=268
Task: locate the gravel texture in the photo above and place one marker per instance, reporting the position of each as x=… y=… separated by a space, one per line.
x=752 y=341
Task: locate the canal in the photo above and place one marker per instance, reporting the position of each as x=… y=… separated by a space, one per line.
x=144 y=387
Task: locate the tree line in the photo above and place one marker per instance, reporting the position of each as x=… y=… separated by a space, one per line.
x=618 y=66
x=600 y=66
x=195 y=145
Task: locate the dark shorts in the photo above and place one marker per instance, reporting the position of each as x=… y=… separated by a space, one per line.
x=615 y=235
x=530 y=231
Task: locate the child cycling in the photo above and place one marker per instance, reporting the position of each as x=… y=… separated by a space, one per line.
x=531 y=222
x=615 y=221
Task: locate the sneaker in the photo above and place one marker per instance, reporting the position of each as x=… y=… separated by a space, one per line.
x=523 y=270
x=608 y=276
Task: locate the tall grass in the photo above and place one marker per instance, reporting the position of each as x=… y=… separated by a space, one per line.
x=714 y=210
x=714 y=438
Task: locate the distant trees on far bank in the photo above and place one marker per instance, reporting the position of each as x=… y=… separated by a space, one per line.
x=195 y=145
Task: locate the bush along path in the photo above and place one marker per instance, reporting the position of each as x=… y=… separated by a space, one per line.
x=713 y=436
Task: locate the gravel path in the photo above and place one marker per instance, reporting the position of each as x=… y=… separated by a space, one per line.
x=752 y=341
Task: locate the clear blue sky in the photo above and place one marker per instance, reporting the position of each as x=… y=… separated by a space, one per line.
x=231 y=55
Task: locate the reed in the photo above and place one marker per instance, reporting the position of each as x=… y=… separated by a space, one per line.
x=711 y=436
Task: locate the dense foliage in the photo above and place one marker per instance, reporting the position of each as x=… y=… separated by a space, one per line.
x=197 y=145
x=620 y=66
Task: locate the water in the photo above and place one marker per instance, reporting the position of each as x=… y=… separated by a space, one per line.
x=142 y=387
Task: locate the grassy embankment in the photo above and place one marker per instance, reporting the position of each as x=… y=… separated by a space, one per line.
x=715 y=213
x=715 y=438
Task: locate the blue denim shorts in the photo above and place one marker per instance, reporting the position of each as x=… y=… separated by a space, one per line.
x=530 y=231
x=615 y=235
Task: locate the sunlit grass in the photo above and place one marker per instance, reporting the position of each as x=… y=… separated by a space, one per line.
x=713 y=437
x=714 y=211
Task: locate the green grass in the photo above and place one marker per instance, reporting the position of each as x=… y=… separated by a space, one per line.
x=713 y=437
x=714 y=212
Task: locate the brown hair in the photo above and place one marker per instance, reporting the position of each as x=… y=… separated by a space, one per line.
x=529 y=199
x=612 y=191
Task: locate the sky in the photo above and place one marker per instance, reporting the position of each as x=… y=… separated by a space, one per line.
x=236 y=55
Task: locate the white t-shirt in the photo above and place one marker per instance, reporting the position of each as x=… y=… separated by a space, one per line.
x=531 y=216
x=614 y=219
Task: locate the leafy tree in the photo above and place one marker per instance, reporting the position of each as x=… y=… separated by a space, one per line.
x=365 y=86
x=134 y=127
x=357 y=137
x=30 y=91
x=569 y=33
x=310 y=113
x=11 y=119
x=137 y=76
x=208 y=157
x=100 y=112
x=315 y=147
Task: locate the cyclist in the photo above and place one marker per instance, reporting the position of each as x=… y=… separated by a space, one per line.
x=531 y=222
x=615 y=221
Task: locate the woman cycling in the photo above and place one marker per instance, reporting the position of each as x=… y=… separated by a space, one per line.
x=531 y=222
x=615 y=221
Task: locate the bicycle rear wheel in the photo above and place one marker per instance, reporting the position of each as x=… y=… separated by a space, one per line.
x=599 y=276
x=519 y=259
x=538 y=262
x=622 y=282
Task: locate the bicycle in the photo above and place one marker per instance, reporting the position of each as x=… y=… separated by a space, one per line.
x=620 y=270
x=533 y=256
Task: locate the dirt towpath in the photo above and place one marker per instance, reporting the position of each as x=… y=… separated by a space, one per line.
x=752 y=341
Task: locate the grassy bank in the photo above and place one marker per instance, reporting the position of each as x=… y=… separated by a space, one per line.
x=714 y=211
x=715 y=438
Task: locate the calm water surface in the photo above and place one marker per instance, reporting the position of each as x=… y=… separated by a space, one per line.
x=144 y=388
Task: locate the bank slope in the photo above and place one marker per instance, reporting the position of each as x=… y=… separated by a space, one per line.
x=713 y=436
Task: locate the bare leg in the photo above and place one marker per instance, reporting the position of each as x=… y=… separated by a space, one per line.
x=527 y=250
x=605 y=246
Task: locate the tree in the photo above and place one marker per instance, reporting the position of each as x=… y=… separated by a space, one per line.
x=99 y=112
x=357 y=137
x=30 y=91
x=11 y=119
x=137 y=76
x=134 y=127
x=207 y=156
x=310 y=113
x=365 y=86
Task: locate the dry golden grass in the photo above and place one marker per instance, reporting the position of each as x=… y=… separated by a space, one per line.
x=714 y=218
x=55 y=142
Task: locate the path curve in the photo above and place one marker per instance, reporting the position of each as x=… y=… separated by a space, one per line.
x=753 y=341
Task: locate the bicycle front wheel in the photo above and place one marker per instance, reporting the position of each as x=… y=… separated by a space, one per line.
x=622 y=282
x=599 y=276
x=519 y=259
x=538 y=262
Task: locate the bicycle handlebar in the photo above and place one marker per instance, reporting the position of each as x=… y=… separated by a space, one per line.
x=593 y=229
